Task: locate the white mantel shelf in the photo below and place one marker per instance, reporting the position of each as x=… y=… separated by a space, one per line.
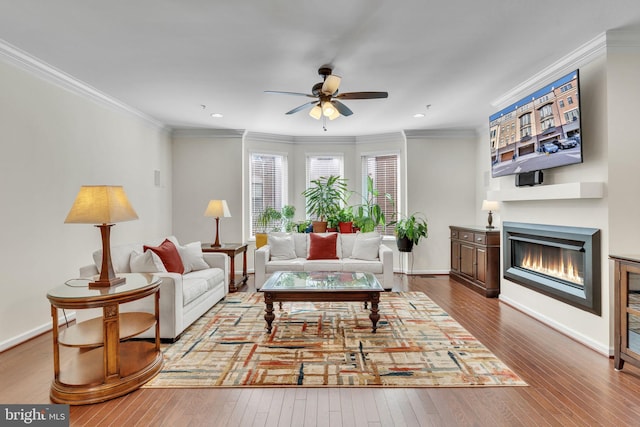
x=573 y=190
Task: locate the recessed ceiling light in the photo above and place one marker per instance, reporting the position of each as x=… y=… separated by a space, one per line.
x=418 y=115
x=216 y=115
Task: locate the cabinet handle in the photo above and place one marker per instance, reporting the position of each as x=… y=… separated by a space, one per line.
x=464 y=236
x=479 y=239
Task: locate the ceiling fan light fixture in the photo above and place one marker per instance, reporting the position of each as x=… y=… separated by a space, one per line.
x=328 y=109
x=316 y=112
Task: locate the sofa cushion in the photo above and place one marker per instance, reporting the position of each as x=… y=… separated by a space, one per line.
x=301 y=243
x=120 y=256
x=281 y=246
x=347 y=241
x=286 y=265
x=191 y=256
x=323 y=246
x=358 y=265
x=323 y=265
x=169 y=255
x=212 y=276
x=146 y=262
x=366 y=246
x=192 y=288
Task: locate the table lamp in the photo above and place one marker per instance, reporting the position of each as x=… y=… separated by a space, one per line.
x=490 y=205
x=216 y=209
x=102 y=205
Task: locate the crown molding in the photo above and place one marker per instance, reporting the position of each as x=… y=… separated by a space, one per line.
x=21 y=59
x=440 y=133
x=627 y=40
x=383 y=137
x=207 y=133
x=579 y=57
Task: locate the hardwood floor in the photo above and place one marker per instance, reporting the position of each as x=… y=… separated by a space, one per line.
x=569 y=384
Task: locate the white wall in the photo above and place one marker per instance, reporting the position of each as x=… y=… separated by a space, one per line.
x=56 y=139
x=441 y=184
x=588 y=328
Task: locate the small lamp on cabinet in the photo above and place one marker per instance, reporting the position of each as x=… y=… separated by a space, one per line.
x=491 y=206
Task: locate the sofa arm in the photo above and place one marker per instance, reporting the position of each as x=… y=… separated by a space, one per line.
x=386 y=256
x=219 y=260
x=88 y=270
x=261 y=257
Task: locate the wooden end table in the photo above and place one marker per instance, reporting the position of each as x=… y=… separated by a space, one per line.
x=321 y=286
x=232 y=249
x=107 y=363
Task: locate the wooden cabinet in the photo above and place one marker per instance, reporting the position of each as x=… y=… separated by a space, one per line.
x=102 y=362
x=627 y=310
x=475 y=258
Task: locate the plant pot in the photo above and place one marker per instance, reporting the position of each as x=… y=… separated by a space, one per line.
x=261 y=240
x=332 y=230
x=404 y=244
x=346 y=227
x=319 y=226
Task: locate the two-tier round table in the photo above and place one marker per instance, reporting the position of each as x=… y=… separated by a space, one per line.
x=104 y=361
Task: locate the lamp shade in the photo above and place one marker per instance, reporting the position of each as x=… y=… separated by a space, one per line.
x=101 y=204
x=316 y=112
x=490 y=205
x=217 y=209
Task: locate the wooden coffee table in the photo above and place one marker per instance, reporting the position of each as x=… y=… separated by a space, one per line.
x=320 y=286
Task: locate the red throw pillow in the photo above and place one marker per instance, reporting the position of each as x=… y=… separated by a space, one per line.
x=322 y=246
x=169 y=255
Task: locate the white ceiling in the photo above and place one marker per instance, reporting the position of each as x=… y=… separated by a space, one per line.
x=168 y=58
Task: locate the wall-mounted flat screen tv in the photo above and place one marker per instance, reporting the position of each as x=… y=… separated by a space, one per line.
x=540 y=131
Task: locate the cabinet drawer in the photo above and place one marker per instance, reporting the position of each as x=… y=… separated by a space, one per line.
x=480 y=239
x=455 y=234
x=467 y=236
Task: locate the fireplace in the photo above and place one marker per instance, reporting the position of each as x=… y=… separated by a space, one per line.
x=558 y=261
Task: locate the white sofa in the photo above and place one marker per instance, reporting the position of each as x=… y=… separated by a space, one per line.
x=355 y=252
x=183 y=297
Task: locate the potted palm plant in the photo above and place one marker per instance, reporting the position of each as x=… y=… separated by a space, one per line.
x=409 y=230
x=324 y=199
x=270 y=217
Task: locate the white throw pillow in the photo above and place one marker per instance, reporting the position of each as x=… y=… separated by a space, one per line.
x=146 y=262
x=281 y=247
x=366 y=246
x=191 y=256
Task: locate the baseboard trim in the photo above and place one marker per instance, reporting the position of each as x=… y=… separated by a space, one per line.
x=570 y=333
x=42 y=329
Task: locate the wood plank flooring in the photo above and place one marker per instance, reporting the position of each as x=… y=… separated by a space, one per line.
x=569 y=384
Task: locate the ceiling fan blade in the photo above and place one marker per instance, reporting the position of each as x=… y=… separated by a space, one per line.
x=277 y=92
x=343 y=109
x=302 y=107
x=363 y=95
x=330 y=85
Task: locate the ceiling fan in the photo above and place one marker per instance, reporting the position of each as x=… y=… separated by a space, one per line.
x=326 y=102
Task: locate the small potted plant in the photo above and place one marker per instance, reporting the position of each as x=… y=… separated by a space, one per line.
x=324 y=199
x=369 y=214
x=269 y=218
x=345 y=220
x=409 y=230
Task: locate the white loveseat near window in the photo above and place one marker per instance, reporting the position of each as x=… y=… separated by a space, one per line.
x=184 y=297
x=353 y=252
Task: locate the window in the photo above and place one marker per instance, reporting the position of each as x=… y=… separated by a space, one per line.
x=268 y=174
x=571 y=116
x=569 y=100
x=561 y=103
x=324 y=165
x=546 y=111
x=384 y=170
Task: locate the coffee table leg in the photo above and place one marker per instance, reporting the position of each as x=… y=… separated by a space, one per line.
x=269 y=316
x=374 y=316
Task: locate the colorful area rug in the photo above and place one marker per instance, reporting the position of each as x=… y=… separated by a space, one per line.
x=417 y=344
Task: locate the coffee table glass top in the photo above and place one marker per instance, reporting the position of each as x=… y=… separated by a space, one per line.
x=321 y=281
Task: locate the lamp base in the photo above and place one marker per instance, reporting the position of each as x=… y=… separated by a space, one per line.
x=107 y=283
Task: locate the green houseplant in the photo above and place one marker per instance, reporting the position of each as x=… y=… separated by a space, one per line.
x=409 y=230
x=369 y=214
x=324 y=199
x=269 y=218
x=288 y=211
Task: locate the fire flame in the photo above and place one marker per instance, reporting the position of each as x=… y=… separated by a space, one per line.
x=557 y=268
